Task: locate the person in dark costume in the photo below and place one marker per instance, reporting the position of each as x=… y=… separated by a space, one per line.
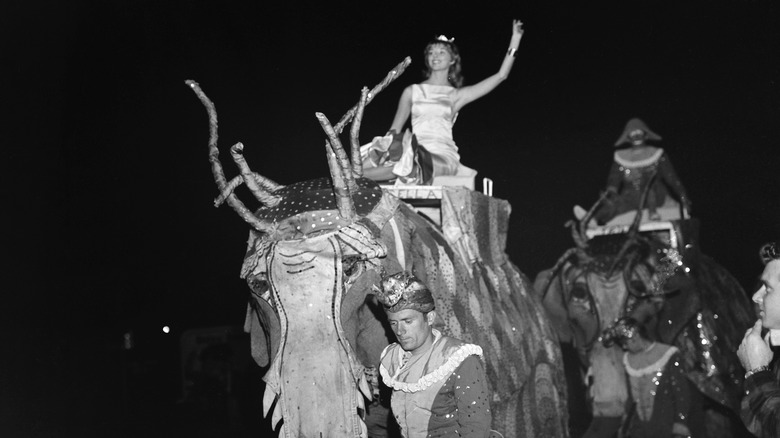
x=661 y=395
x=634 y=168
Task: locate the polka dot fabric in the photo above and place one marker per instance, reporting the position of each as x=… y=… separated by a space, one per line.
x=317 y=195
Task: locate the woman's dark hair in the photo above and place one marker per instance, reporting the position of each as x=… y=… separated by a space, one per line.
x=454 y=75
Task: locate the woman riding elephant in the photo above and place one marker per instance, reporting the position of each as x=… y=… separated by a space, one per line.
x=433 y=106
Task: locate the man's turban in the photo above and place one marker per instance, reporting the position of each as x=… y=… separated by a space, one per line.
x=404 y=291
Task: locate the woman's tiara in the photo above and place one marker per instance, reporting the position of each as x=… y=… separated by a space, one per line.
x=444 y=39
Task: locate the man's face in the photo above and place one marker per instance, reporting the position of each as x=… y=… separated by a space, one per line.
x=630 y=342
x=637 y=137
x=412 y=329
x=768 y=295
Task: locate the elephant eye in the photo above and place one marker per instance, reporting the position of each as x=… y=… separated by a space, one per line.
x=641 y=280
x=638 y=286
x=352 y=267
x=259 y=285
x=579 y=292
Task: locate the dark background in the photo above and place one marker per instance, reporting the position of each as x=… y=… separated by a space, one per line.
x=107 y=191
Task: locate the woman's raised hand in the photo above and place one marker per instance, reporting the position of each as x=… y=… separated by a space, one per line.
x=517 y=28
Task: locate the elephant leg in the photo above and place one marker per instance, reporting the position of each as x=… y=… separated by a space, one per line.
x=603 y=427
x=380 y=422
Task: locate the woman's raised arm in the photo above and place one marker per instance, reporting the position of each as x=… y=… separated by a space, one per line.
x=473 y=92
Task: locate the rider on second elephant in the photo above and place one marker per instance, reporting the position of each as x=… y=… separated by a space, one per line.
x=662 y=399
x=633 y=169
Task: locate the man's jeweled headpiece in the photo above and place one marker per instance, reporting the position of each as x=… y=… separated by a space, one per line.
x=404 y=291
x=444 y=39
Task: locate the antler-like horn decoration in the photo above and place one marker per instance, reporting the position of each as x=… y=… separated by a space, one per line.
x=579 y=234
x=357 y=162
x=341 y=155
x=576 y=234
x=557 y=267
x=581 y=242
x=267 y=184
x=633 y=231
x=216 y=165
x=344 y=201
x=248 y=176
x=390 y=77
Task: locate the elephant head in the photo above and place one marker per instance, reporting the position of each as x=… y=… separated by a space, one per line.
x=661 y=279
x=600 y=280
x=312 y=255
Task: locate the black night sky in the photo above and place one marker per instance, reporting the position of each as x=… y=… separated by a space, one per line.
x=110 y=225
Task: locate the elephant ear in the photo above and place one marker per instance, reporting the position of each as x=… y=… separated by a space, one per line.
x=682 y=300
x=680 y=308
x=262 y=324
x=552 y=295
x=361 y=317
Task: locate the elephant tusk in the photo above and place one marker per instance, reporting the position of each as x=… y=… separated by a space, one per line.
x=277 y=416
x=268 y=400
x=361 y=404
x=364 y=387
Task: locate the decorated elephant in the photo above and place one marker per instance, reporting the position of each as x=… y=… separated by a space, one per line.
x=315 y=250
x=657 y=275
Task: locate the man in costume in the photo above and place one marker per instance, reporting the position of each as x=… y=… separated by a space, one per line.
x=761 y=404
x=633 y=169
x=439 y=384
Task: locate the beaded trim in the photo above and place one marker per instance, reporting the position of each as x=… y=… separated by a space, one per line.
x=756 y=370
x=653 y=367
x=641 y=163
x=440 y=373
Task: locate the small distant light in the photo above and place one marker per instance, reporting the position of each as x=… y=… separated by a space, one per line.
x=166 y=329
x=129 y=341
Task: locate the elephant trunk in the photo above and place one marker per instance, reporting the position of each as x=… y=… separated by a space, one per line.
x=318 y=395
x=314 y=377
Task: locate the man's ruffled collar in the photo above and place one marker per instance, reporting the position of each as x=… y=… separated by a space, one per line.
x=442 y=372
x=653 y=367
x=644 y=162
